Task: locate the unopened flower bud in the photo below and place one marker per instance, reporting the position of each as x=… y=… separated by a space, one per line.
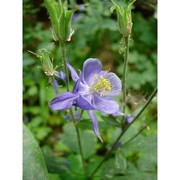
x=47 y=63
x=123 y=17
x=61 y=20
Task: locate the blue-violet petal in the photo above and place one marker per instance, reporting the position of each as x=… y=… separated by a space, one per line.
x=63 y=101
x=90 y=68
x=106 y=106
x=94 y=124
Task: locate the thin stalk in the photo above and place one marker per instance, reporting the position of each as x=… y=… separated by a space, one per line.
x=126 y=53
x=122 y=133
x=63 y=51
x=79 y=141
x=80 y=148
x=82 y=111
x=142 y=129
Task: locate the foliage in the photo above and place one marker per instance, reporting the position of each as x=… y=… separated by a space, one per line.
x=33 y=162
x=95 y=35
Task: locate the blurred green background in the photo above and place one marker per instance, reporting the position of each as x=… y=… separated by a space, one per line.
x=96 y=35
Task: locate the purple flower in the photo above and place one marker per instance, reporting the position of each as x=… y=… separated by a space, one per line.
x=93 y=90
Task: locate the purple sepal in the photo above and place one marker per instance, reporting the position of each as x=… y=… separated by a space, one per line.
x=118 y=113
x=84 y=104
x=63 y=101
x=106 y=106
x=74 y=75
x=55 y=85
x=94 y=124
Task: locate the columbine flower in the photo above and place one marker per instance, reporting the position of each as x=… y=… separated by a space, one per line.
x=93 y=90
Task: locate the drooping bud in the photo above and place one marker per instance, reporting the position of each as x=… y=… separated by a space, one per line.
x=60 y=18
x=48 y=68
x=47 y=63
x=124 y=19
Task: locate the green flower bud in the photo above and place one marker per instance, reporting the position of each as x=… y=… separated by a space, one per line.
x=123 y=17
x=46 y=62
x=61 y=20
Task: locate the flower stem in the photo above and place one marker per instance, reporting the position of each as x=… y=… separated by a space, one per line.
x=82 y=111
x=122 y=133
x=132 y=138
x=80 y=148
x=79 y=139
x=63 y=52
x=126 y=53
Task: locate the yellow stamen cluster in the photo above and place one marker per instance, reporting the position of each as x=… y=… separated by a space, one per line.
x=101 y=85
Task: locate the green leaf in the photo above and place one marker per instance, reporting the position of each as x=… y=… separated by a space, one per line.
x=69 y=137
x=53 y=176
x=42 y=132
x=120 y=162
x=93 y=163
x=145 y=150
x=148 y=160
x=85 y=124
x=88 y=140
x=76 y=171
x=110 y=121
x=138 y=175
x=33 y=161
x=114 y=167
x=35 y=110
x=54 y=164
x=32 y=91
x=110 y=170
x=125 y=172
x=108 y=24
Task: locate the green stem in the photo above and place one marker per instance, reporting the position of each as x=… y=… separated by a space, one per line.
x=128 y=141
x=80 y=148
x=79 y=139
x=126 y=53
x=122 y=133
x=82 y=111
x=63 y=51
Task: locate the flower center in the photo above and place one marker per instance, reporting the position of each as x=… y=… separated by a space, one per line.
x=101 y=85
